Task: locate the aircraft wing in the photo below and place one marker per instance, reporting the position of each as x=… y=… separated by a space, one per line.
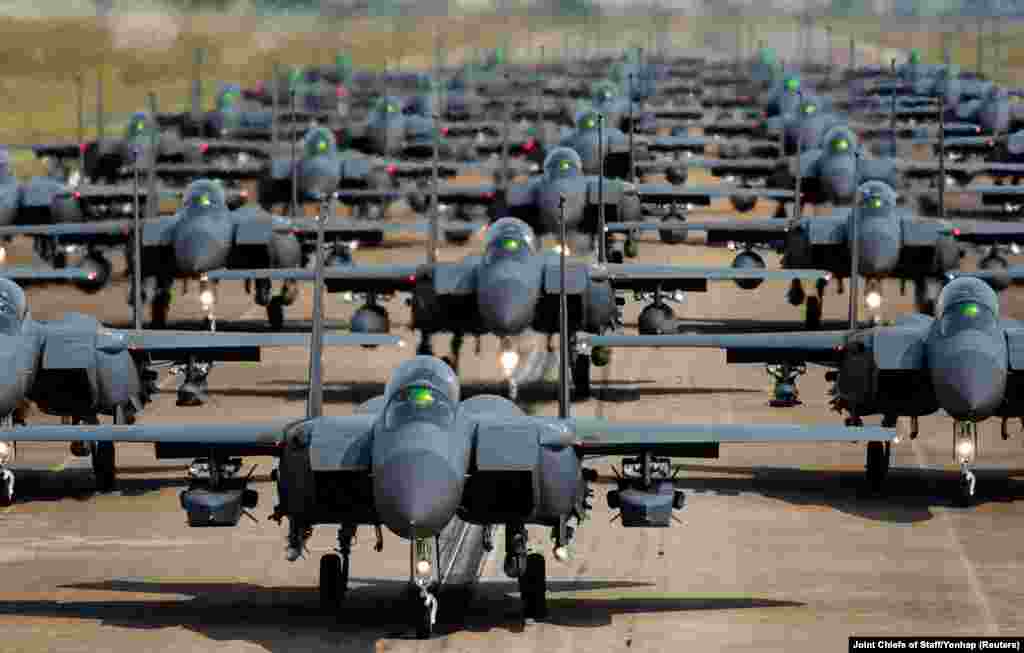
x=987 y=232
x=181 y=345
x=719 y=231
x=599 y=437
x=806 y=346
x=447 y=194
x=702 y=196
x=101 y=228
x=26 y=274
x=380 y=279
x=998 y=278
x=646 y=278
x=370 y=230
x=267 y=434
x=185 y=172
x=58 y=150
x=749 y=167
x=928 y=170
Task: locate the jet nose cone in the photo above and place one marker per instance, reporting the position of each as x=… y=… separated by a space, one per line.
x=506 y=306
x=198 y=250
x=969 y=384
x=879 y=252
x=416 y=492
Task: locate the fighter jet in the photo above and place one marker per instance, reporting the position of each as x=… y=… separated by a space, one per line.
x=111 y=161
x=607 y=99
x=420 y=456
x=962 y=361
x=509 y=290
x=893 y=243
x=77 y=369
x=536 y=200
x=229 y=119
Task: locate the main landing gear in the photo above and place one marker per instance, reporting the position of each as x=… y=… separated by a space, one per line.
x=529 y=569
x=796 y=296
x=334 y=571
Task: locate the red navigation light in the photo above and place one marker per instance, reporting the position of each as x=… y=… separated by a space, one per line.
x=341 y=91
x=82 y=147
x=489 y=195
x=392 y=168
x=92 y=276
x=444 y=131
x=260 y=86
x=244 y=194
x=990 y=142
x=203 y=147
x=530 y=145
x=77 y=195
x=411 y=278
x=956 y=231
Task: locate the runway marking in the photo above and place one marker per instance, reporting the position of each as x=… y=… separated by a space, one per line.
x=972 y=575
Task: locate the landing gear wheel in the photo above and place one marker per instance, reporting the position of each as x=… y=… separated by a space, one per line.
x=333 y=582
x=965 y=497
x=674 y=230
x=6 y=488
x=533 y=587
x=275 y=313
x=423 y=611
x=60 y=259
x=103 y=466
x=581 y=389
x=813 y=318
x=877 y=466
x=158 y=313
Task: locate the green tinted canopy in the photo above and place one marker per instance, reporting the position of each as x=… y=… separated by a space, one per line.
x=510 y=244
x=809 y=108
x=421 y=396
x=766 y=55
x=840 y=145
x=915 y=56
x=969 y=309
x=792 y=84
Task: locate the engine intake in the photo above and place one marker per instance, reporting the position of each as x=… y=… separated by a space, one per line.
x=646 y=496
x=748 y=260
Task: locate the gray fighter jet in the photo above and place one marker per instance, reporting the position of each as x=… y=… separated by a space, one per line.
x=512 y=288
x=77 y=369
x=419 y=457
x=964 y=362
x=893 y=244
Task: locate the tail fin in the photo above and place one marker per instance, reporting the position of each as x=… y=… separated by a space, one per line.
x=854 y=238
x=315 y=400
x=563 y=323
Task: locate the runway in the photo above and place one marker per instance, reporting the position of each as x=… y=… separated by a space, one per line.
x=778 y=549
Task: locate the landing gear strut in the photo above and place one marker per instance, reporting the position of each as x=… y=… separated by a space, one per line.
x=965 y=448
x=423 y=586
x=7 y=452
x=529 y=569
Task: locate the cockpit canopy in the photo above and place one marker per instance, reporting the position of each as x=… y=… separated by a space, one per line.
x=138 y=125
x=319 y=141
x=604 y=93
x=967 y=302
x=13 y=307
x=423 y=388
x=766 y=56
x=840 y=140
x=562 y=162
x=205 y=194
x=808 y=108
x=876 y=196
x=509 y=238
x=589 y=120
x=228 y=96
x=792 y=84
x=389 y=107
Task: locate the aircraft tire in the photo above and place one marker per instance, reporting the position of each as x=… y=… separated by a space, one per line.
x=6 y=491
x=275 y=313
x=877 y=466
x=533 y=587
x=813 y=319
x=581 y=389
x=330 y=582
x=104 y=466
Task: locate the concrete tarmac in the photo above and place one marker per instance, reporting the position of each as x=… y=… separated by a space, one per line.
x=778 y=549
